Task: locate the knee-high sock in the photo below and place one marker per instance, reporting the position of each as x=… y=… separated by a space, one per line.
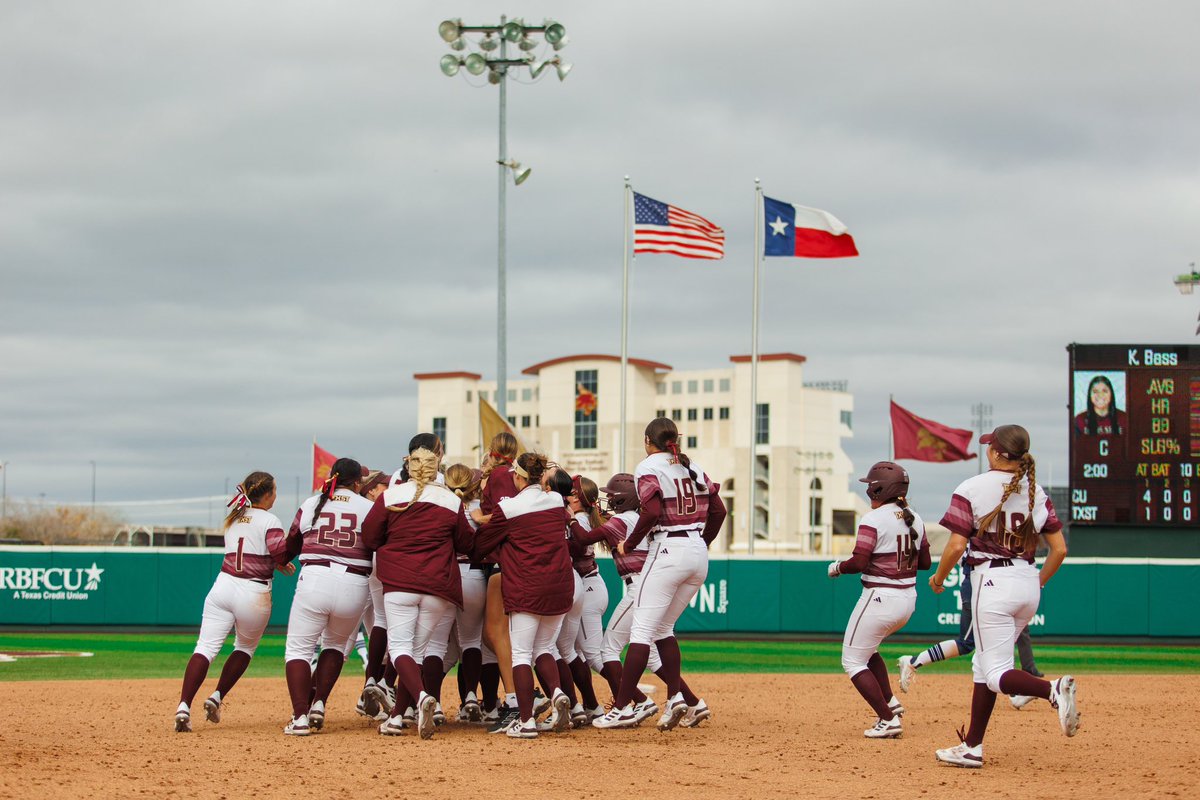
x=868 y=687
x=611 y=672
x=235 y=665
x=1018 y=681
x=193 y=677
x=581 y=674
x=329 y=667
x=547 y=673
x=635 y=664
x=938 y=652
x=879 y=670
x=377 y=653
x=672 y=662
x=469 y=666
x=523 y=683
x=432 y=674
x=489 y=685
x=299 y=683
x=983 y=700
x=689 y=696
x=389 y=675
x=408 y=675
x=565 y=681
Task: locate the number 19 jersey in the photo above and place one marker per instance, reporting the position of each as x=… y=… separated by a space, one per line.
x=684 y=502
x=336 y=533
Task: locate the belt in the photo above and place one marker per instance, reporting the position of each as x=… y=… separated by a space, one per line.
x=366 y=573
x=682 y=534
x=263 y=581
x=628 y=580
x=591 y=574
x=996 y=563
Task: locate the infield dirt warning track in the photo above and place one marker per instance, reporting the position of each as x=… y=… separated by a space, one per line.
x=770 y=736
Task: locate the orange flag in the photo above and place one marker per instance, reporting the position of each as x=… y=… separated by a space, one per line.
x=322 y=463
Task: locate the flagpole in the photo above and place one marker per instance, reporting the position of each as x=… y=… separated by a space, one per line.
x=891 y=431
x=624 y=327
x=312 y=462
x=758 y=202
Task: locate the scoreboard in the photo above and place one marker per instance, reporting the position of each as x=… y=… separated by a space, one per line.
x=1135 y=434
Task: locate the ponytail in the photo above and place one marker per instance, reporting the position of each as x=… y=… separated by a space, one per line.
x=254 y=488
x=1026 y=534
x=345 y=471
x=906 y=514
x=422 y=470
x=663 y=434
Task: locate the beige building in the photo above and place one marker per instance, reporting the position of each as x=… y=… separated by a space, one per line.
x=569 y=408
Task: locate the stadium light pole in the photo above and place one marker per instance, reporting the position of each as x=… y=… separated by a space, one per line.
x=93 y=463
x=981 y=417
x=4 y=490
x=496 y=39
x=1186 y=284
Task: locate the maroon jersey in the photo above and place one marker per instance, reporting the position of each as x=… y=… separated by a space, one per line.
x=583 y=554
x=613 y=532
x=415 y=546
x=975 y=498
x=528 y=534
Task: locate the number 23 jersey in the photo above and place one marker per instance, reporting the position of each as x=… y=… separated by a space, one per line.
x=684 y=503
x=336 y=533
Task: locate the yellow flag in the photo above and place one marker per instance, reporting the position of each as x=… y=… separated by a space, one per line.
x=491 y=423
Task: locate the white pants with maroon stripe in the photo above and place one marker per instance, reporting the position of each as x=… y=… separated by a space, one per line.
x=413 y=621
x=877 y=615
x=1003 y=601
x=470 y=618
x=673 y=574
x=564 y=643
x=589 y=641
x=532 y=635
x=327 y=607
x=617 y=634
x=237 y=604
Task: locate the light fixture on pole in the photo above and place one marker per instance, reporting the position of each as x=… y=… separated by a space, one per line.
x=1186 y=284
x=497 y=38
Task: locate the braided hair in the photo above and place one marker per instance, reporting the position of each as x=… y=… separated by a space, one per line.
x=422 y=470
x=253 y=488
x=1026 y=533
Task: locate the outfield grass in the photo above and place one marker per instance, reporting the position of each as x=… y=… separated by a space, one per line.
x=163 y=655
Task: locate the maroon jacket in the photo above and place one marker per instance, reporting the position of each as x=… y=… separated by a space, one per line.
x=499 y=486
x=528 y=533
x=414 y=548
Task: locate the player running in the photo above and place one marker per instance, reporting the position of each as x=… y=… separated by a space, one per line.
x=1001 y=514
x=891 y=547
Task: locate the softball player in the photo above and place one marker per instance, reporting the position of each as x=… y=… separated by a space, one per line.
x=240 y=599
x=330 y=594
x=527 y=533
x=891 y=547
x=377 y=697
x=464 y=482
x=1001 y=513
x=589 y=634
x=679 y=502
x=415 y=529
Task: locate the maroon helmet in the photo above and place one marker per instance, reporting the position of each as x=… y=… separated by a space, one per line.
x=621 y=493
x=886 y=481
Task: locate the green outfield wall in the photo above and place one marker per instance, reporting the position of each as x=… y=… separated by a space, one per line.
x=135 y=587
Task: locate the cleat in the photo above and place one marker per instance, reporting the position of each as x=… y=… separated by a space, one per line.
x=183 y=721
x=644 y=710
x=885 y=729
x=617 y=718
x=212 y=708
x=298 y=727
x=908 y=673
x=562 y=711
x=505 y=716
x=426 y=719
x=1062 y=697
x=470 y=710
x=541 y=703
x=675 y=711
x=896 y=707
x=522 y=730
x=1019 y=701
x=962 y=756
x=394 y=726
x=579 y=716
x=371 y=699
x=696 y=714
x=316 y=716
x=439 y=716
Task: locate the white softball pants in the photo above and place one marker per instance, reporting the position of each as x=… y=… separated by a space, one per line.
x=617 y=635
x=532 y=635
x=470 y=617
x=327 y=607
x=564 y=644
x=877 y=615
x=1003 y=601
x=236 y=604
x=590 y=639
x=413 y=621
x=673 y=574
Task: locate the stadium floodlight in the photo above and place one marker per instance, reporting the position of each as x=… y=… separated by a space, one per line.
x=1186 y=283
x=450 y=65
x=493 y=59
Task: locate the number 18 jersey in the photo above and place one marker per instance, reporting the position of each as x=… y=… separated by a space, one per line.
x=975 y=498
x=685 y=504
x=336 y=533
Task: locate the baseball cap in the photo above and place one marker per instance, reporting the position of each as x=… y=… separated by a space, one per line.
x=1010 y=441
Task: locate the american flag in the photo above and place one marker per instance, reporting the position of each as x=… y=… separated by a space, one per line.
x=663 y=228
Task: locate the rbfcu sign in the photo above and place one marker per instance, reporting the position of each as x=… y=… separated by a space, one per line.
x=50 y=583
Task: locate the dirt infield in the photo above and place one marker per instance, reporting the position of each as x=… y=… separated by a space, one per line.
x=771 y=735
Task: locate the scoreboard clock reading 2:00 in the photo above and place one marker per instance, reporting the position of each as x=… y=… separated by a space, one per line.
x=1135 y=434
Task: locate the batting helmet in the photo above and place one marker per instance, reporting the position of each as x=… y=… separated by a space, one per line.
x=621 y=493
x=886 y=481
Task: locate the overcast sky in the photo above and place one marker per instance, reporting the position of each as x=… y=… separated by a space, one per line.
x=226 y=227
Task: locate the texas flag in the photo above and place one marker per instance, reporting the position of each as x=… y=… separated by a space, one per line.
x=793 y=230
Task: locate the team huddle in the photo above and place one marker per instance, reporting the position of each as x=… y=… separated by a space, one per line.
x=494 y=569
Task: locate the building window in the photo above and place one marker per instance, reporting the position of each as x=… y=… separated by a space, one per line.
x=677 y=414
x=468 y=395
x=724 y=412
x=724 y=384
x=691 y=442
x=526 y=395
x=660 y=387
x=439 y=428
x=660 y=412
x=512 y=395
x=708 y=414
x=676 y=387
x=537 y=420
x=691 y=415
x=763 y=424
x=846 y=417
x=693 y=387
x=512 y=421
x=708 y=384
x=586 y=419
x=525 y=421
